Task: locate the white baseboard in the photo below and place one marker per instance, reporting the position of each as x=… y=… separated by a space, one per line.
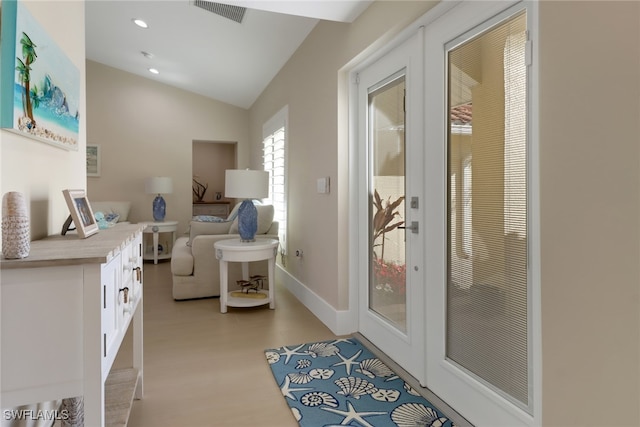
x=340 y=322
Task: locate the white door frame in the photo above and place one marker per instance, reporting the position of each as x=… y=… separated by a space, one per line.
x=349 y=319
x=406 y=348
x=355 y=275
x=356 y=163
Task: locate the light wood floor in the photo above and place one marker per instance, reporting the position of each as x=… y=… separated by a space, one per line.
x=207 y=369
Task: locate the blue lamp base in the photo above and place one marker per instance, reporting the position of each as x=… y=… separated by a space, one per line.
x=159 y=208
x=247 y=221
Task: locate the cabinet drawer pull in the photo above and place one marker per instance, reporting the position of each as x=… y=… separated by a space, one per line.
x=138 y=274
x=104 y=296
x=125 y=290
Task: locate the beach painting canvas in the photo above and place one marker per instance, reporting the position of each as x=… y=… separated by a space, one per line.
x=39 y=85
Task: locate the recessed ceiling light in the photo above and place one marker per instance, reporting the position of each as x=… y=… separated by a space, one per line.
x=140 y=23
x=154 y=71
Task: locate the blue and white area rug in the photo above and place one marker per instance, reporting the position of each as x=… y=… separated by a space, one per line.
x=338 y=383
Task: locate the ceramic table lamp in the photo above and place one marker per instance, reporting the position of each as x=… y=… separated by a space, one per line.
x=248 y=185
x=159 y=185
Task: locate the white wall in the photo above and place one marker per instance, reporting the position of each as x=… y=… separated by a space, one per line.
x=38 y=170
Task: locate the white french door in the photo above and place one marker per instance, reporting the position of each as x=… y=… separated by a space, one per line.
x=391 y=289
x=446 y=203
x=480 y=324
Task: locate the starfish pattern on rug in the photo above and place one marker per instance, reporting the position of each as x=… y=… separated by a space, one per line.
x=348 y=362
x=290 y=353
x=287 y=389
x=366 y=393
x=352 y=415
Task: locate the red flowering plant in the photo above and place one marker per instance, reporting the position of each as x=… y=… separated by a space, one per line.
x=389 y=277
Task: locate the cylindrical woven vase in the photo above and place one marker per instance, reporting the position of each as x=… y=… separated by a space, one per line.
x=16 y=235
x=73 y=412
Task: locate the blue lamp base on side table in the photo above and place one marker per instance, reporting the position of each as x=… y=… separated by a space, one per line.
x=159 y=208
x=247 y=221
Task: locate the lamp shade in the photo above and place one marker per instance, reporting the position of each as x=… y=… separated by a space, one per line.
x=246 y=184
x=159 y=185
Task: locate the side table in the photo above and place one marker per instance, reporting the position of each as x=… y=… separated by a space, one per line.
x=155 y=228
x=234 y=250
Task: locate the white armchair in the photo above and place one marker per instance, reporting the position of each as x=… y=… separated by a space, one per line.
x=194 y=267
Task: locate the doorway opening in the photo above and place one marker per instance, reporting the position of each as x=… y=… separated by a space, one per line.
x=209 y=162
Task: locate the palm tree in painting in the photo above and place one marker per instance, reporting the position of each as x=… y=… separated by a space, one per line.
x=23 y=75
x=35 y=99
x=24 y=68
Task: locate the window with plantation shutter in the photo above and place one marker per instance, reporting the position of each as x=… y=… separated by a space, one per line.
x=487 y=306
x=274 y=161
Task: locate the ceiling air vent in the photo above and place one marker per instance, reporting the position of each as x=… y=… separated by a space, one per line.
x=235 y=13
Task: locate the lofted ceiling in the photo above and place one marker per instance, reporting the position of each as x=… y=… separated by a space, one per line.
x=200 y=51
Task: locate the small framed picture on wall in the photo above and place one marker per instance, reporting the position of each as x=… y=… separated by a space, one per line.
x=93 y=160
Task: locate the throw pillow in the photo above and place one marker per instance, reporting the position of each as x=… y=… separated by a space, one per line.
x=207 y=218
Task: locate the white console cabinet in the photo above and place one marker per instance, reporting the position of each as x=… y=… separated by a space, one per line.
x=65 y=310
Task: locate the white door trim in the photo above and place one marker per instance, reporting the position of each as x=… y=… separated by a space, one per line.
x=405 y=347
x=354 y=171
x=350 y=72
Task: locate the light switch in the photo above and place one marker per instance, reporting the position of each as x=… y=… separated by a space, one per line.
x=323 y=185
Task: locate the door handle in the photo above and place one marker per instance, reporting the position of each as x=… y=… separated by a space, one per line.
x=413 y=227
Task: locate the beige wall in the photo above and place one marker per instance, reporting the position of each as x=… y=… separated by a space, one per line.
x=589 y=177
x=145 y=129
x=589 y=187
x=210 y=161
x=589 y=207
x=309 y=85
x=38 y=170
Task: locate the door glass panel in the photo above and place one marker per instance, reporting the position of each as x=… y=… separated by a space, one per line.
x=487 y=308
x=387 y=258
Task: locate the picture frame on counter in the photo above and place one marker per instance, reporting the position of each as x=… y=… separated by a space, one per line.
x=81 y=212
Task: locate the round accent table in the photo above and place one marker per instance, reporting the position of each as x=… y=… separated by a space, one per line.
x=155 y=228
x=234 y=250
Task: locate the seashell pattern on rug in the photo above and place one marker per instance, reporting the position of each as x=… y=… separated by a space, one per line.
x=340 y=382
x=416 y=414
x=299 y=377
x=374 y=368
x=322 y=349
x=355 y=387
